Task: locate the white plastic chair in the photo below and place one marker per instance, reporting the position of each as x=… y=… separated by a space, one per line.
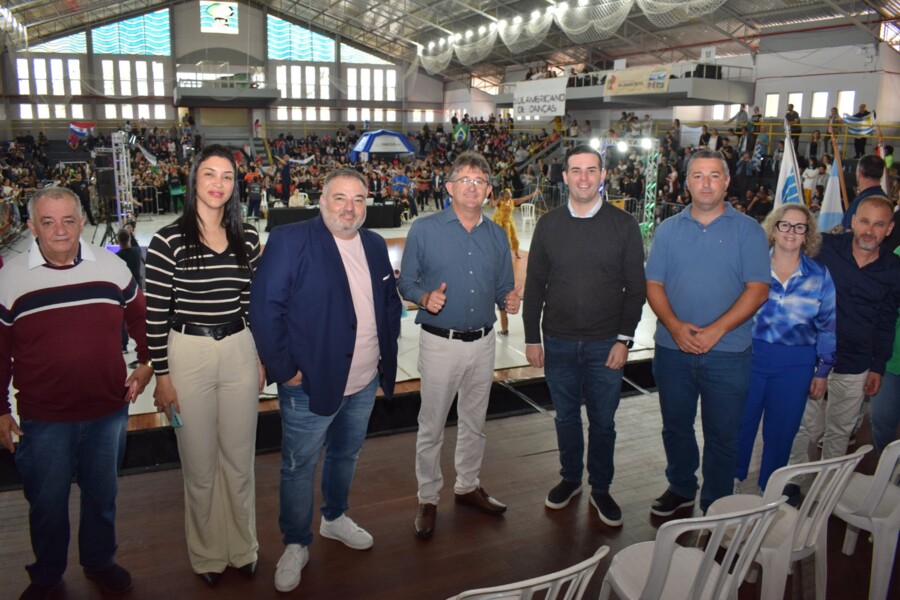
x=797 y=532
x=528 y=218
x=665 y=570
x=569 y=584
x=872 y=502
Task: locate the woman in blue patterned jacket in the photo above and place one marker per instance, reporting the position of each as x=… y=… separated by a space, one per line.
x=793 y=341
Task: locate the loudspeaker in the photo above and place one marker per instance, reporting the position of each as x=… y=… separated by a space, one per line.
x=106 y=183
x=103 y=161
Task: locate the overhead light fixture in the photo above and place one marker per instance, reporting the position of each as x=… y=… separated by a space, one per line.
x=535 y=15
x=595 y=143
x=517 y=20
x=482 y=30
x=646 y=143
x=622 y=147
x=582 y=3
x=501 y=24
x=492 y=27
x=440 y=42
x=469 y=34
x=562 y=7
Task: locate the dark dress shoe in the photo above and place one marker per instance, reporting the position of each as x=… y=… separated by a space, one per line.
x=39 y=591
x=248 y=570
x=425 y=517
x=479 y=499
x=211 y=579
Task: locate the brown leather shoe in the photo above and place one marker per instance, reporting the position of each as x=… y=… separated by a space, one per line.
x=425 y=517
x=480 y=500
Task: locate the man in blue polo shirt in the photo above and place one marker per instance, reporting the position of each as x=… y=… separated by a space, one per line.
x=707 y=274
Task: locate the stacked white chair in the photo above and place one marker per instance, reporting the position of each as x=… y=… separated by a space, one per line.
x=797 y=532
x=872 y=502
x=568 y=584
x=528 y=217
x=665 y=570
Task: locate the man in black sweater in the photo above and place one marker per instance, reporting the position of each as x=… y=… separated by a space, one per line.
x=586 y=277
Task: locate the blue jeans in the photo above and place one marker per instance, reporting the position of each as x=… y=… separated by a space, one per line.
x=50 y=454
x=576 y=372
x=885 y=409
x=721 y=380
x=303 y=435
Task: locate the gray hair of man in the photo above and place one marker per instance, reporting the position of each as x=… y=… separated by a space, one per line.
x=344 y=172
x=473 y=160
x=56 y=193
x=705 y=154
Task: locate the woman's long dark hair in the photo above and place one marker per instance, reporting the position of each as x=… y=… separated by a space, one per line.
x=189 y=225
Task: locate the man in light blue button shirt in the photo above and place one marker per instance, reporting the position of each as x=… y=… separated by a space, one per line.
x=457 y=267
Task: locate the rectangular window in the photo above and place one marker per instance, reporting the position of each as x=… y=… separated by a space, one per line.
x=125 y=77
x=324 y=113
x=75 y=76
x=796 y=98
x=110 y=111
x=43 y=111
x=429 y=116
x=310 y=113
x=771 y=109
x=57 y=80
x=281 y=113
x=365 y=114
x=26 y=111
x=143 y=111
x=59 y=111
x=365 y=84
x=324 y=83
x=296 y=82
x=390 y=115
x=159 y=80
x=143 y=82
x=819 y=109
x=309 y=78
x=378 y=83
x=78 y=111
x=24 y=81
x=718 y=112
x=159 y=112
x=846 y=102
x=391 y=85
x=378 y=115
x=281 y=80
x=351 y=84
x=296 y=113
x=109 y=78
x=352 y=114
x=416 y=115
x=127 y=111
x=40 y=77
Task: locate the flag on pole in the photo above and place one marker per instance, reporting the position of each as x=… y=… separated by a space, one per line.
x=859 y=126
x=880 y=151
x=151 y=158
x=81 y=129
x=461 y=134
x=788 y=189
x=832 y=211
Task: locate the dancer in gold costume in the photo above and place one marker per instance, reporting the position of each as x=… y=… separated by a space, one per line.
x=503 y=216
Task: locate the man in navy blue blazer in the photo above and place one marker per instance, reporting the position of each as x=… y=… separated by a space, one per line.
x=325 y=314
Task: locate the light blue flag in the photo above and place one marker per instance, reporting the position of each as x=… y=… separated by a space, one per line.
x=832 y=212
x=788 y=189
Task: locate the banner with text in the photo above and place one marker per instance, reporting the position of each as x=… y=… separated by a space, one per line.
x=639 y=80
x=544 y=97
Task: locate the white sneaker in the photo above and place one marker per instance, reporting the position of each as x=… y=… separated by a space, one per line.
x=287 y=571
x=343 y=529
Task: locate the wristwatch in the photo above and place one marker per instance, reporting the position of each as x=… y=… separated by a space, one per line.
x=627 y=343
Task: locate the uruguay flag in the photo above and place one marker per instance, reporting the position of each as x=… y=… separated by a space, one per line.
x=788 y=189
x=859 y=126
x=832 y=211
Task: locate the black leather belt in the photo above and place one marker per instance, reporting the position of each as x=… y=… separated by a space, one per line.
x=464 y=336
x=217 y=332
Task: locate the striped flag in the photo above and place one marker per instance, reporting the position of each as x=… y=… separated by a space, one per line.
x=859 y=126
x=81 y=129
x=788 y=189
x=832 y=212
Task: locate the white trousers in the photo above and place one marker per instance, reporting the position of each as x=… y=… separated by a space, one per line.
x=217 y=383
x=449 y=368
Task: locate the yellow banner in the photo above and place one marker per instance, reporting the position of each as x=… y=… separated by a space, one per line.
x=638 y=80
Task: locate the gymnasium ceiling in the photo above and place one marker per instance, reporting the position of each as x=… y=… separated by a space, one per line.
x=393 y=28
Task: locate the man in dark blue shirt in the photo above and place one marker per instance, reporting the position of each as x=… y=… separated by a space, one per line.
x=457 y=267
x=867 y=280
x=869 y=172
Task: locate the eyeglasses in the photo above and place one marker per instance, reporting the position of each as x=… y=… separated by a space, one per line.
x=466 y=181
x=785 y=226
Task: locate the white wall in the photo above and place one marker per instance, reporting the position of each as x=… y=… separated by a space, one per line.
x=191 y=44
x=462 y=100
x=421 y=88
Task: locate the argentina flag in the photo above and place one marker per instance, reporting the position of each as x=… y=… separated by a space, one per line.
x=832 y=211
x=788 y=189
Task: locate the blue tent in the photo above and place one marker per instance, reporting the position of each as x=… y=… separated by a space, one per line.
x=380 y=142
